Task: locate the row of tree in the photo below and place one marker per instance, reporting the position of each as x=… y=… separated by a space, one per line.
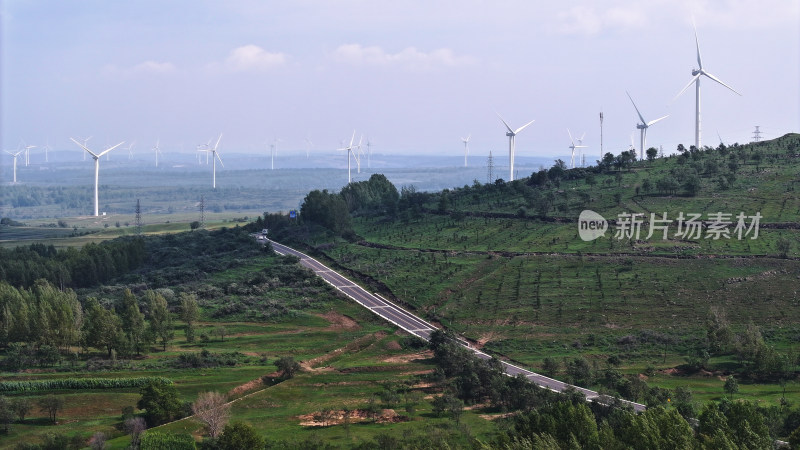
x=48 y=318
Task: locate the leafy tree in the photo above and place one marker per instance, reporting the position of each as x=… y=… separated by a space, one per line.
x=239 y=435
x=21 y=407
x=160 y=402
x=189 y=313
x=51 y=405
x=102 y=328
x=551 y=366
x=213 y=410
x=784 y=246
x=6 y=414
x=194 y=225
x=160 y=319
x=652 y=153
x=132 y=321
x=731 y=386
x=287 y=366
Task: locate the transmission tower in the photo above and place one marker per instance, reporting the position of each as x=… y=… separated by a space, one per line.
x=601 y=135
x=490 y=168
x=138 y=217
x=202 y=212
x=756 y=134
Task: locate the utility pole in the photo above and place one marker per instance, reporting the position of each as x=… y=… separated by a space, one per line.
x=490 y=168
x=601 y=135
x=138 y=218
x=757 y=135
x=202 y=212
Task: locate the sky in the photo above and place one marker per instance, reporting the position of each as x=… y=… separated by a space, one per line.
x=414 y=77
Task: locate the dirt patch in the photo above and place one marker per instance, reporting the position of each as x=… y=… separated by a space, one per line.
x=336 y=417
x=243 y=388
x=672 y=371
x=495 y=416
x=340 y=321
x=407 y=358
x=393 y=345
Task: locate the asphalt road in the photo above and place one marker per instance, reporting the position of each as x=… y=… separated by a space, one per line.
x=417 y=326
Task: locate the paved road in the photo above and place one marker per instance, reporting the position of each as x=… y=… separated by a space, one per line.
x=416 y=326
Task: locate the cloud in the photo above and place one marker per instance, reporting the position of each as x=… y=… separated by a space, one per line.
x=146 y=67
x=587 y=20
x=409 y=58
x=253 y=57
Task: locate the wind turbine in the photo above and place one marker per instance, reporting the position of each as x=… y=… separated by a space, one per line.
x=85 y=141
x=573 y=146
x=273 y=150
x=643 y=126
x=96 y=157
x=15 y=162
x=349 y=150
x=696 y=74
x=369 y=154
x=27 y=150
x=466 y=147
x=157 y=150
x=511 y=144
x=360 y=154
x=130 y=150
x=214 y=158
x=46 y=150
x=309 y=144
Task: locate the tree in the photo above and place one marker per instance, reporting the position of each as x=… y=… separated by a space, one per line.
x=213 y=410
x=731 y=386
x=102 y=328
x=221 y=332
x=189 y=314
x=51 y=405
x=132 y=321
x=160 y=319
x=6 y=414
x=98 y=441
x=160 y=402
x=21 y=406
x=784 y=246
x=287 y=366
x=194 y=225
x=652 y=153
x=135 y=426
x=239 y=435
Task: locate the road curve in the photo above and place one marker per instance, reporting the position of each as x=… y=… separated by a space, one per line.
x=419 y=327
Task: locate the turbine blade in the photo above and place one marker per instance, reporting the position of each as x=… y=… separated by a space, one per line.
x=504 y=123
x=570 y=137
x=637 y=109
x=654 y=121
x=694 y=78
x=697 y=43
x=217 y=144
x=109 y=149
x=351 y=139
x=524 y=126
x=84 y=147
x=220 y=159
x=719 y=81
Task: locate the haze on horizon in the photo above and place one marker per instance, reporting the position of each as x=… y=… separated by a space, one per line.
x=413 y=77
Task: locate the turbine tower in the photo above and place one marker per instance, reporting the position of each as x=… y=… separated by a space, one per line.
x=369 y=154
x=643 y=127
x=156 y=149
x=466 y=147
x=130 y=150
x=27 y=150
x=349 y=150
x=15 y=162
x=96 y=157
x=696 y=74
x=214 y=158
x=273 y=150
x=309 y=144
x=572 y=146
x=511 y=144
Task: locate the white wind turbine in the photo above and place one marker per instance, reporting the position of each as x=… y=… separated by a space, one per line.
x=15 y=162
x=643 y=127
x=511 y=144
x=157 y=150
x=369 y=154
x=696 y=74
x=273 y=150
x=85 y=143
x=27 y=150
x=466 y=147
x=47 y=149
x=572 y=146
x=130 y=150
x=96 y=157
x=349 y=150
x=360 y=154
x=309 y=144
x=214 y=158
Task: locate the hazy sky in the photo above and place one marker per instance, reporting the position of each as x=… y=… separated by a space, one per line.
x=413 y=76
